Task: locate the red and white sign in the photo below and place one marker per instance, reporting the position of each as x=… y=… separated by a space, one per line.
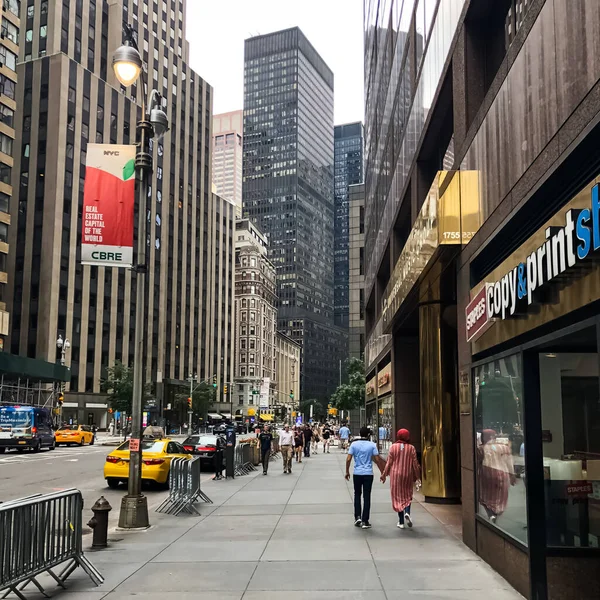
x=476 y=314
x=108 y=203
x=134 y=445
x=581 y=489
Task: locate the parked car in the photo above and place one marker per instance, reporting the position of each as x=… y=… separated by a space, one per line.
x=75 y=434
x=156 y=461
x=204 y=446
x=26 y=427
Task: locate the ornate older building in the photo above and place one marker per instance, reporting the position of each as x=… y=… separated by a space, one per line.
x=256 y=320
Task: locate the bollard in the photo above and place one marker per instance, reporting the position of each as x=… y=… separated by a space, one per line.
x=99 y=522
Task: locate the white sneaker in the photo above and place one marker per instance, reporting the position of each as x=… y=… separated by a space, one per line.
x=400 y=525
x=408 y=520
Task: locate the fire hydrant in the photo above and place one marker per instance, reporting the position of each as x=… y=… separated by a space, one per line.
x=99 y=522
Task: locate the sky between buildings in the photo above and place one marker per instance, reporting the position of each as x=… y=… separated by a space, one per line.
x=216 y=30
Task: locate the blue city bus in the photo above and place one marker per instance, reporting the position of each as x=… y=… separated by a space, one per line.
x=26 y=427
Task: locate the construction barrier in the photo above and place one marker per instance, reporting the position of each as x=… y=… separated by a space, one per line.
x=184 y=487
x=38 y=534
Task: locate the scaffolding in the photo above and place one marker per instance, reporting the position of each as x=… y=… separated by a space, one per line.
x=22 y=391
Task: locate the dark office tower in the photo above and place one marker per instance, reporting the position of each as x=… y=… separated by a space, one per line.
x=67 y=97
x=288 y=191
x=348 y=170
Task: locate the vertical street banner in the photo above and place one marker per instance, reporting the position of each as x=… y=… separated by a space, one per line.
x=264 y=392
x=108 y=205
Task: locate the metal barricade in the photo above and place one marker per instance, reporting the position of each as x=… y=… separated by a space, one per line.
x=184 y=487
x=243 y=459
x=38 y=534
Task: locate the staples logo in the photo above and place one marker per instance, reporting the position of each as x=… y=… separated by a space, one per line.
x=476 y=314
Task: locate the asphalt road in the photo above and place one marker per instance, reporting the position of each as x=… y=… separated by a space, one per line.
x=66 y=467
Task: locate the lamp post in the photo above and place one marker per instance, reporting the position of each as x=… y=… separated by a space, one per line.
x=62 y=346
x=192 y=379
x=128 y=67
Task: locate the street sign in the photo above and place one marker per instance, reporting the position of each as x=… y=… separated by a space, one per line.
x=134 y=445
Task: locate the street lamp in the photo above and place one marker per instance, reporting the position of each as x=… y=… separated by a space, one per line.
x=128 y=67
x=191 y=379
x=63 y=346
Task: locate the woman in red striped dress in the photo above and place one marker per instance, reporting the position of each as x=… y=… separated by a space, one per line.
x=403 y=469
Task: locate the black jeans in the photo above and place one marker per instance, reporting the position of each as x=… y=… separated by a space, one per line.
x=265 y=455
x=307 y=448
x=363 y=484
x=406 y=511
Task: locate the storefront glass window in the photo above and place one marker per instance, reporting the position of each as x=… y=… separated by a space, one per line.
x=372 y=420
x=386 y=424
x=570 y=402
x=500 y=464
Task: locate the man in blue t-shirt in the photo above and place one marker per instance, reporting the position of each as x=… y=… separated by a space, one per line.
x=364 y=453
x=344 y=434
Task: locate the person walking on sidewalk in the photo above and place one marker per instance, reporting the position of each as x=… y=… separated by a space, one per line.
x=326 y=436
x=298 y=442
x=344 y=437
x=286 y=443
x=315 y=439
x=307 y=438
x=266 y=439
x=364 y=453
x=403 y=470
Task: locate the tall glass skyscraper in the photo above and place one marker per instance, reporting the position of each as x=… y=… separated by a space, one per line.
x=348 y=170
x=288 y=191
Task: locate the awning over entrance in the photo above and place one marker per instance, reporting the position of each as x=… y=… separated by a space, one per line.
x=226 y=415
x=214 y=416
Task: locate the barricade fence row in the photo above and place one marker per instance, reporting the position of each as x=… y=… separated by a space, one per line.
x=38 y=534
x=184 y=487
x=243 y=459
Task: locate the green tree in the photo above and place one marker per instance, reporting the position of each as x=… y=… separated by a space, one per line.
x=202 y=397
x=351 y=395
x=119 y=386
x=319 y=410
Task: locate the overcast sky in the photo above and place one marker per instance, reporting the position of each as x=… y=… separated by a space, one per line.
x=216 y=30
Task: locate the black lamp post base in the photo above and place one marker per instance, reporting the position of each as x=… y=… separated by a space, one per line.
x=134 y=512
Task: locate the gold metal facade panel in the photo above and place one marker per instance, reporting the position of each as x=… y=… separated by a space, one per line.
x=432 y=401
x=576 y=289
x=439 y=423
x=447 y=217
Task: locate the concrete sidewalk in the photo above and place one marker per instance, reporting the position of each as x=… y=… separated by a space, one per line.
x=292 y=537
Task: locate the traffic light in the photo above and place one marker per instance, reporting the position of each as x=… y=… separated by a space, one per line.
x=61 y=399
x=292 y=394
x=110 y=411
x=225 y=390
x=214 y=381
x=189 y=403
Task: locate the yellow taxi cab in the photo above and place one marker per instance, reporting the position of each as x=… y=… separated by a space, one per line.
x=156 y=461
x=74 y=434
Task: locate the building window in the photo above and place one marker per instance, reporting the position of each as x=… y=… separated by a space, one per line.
x=7 y=116
x=3 y=232
x=5 y=173
x=7 y=87
x=13 y=6
x=243 y=344
x=6 y=144
x=501 y=495
x=240 y=400
x=10 y=31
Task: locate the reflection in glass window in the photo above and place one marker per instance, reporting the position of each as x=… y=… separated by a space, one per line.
x=501 y=491
x=570 y=403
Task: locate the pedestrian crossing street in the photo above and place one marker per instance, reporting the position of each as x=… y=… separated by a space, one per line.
x=61 y=453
